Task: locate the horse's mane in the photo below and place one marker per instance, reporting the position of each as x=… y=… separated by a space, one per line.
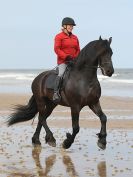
x=89 y=52
x=85 y=53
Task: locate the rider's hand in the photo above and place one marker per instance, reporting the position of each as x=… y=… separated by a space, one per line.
x=71 y=62
x=68 y=59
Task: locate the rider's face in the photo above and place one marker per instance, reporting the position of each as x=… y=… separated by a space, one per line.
x=69 y=28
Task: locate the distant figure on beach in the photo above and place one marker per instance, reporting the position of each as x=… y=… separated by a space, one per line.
x=67 y=48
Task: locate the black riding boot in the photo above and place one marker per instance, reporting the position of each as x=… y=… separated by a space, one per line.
x=56 y=96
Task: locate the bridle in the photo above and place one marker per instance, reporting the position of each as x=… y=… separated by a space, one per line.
x=95 y=67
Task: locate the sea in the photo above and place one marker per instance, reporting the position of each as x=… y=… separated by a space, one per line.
x=20 y=80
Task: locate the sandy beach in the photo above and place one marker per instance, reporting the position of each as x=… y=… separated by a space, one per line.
x=118 y=110
x=18 y=157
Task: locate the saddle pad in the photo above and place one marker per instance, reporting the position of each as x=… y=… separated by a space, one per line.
x=50 y=81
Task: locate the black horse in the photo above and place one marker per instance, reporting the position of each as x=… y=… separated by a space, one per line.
x=80 y=88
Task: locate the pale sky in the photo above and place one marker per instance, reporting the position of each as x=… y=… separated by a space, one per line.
x=28 y=27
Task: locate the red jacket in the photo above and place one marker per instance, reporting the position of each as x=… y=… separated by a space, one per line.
x=66 y=46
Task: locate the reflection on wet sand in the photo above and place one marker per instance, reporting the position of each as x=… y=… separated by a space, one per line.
x=18 y=158
x=15 y=174
x=70 y=168
x=67 y=161
x=101 y=167
x=49 y=162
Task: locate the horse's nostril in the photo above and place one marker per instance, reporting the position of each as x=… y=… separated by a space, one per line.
x=108 y=71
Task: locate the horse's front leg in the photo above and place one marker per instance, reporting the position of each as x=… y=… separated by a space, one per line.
x=75 y=125
x=96 y=108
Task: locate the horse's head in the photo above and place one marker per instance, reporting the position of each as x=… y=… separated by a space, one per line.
x=104 y=59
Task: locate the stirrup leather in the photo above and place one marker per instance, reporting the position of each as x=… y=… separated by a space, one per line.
x=56 y=97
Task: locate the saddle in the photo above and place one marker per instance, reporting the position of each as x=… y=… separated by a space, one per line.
x=50 y=81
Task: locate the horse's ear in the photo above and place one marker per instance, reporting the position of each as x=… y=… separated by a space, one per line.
x=100 y=38
x=110 y=40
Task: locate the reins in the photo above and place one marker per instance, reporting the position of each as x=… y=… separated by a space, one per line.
x=92 y=67
x=95 y=67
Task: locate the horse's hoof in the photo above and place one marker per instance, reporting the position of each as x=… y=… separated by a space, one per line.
x=53 y=144
x=66 y=144
x=50 y=140
x=35 y=141
x=101 y=146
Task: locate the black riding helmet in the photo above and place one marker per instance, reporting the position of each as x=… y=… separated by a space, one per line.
x=68 y=21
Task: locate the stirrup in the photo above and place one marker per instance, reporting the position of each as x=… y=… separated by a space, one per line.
x=56 y=97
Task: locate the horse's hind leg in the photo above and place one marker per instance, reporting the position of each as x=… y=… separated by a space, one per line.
x=75 y=124
x=96 y=108
x=45 y=109
x=35 y=138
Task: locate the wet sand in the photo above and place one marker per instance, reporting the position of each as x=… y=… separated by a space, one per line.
x=19 y=158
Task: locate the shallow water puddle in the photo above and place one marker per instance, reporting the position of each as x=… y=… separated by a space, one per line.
x=19 y=158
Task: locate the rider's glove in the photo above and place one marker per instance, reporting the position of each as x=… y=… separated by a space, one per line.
x=68 y=59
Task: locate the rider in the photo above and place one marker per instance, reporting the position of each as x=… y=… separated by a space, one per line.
x=67 y=48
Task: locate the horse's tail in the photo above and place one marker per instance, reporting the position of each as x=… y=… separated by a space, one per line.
x=23 y=113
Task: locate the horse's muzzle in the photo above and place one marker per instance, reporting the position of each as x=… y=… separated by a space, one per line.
x=108 y=72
